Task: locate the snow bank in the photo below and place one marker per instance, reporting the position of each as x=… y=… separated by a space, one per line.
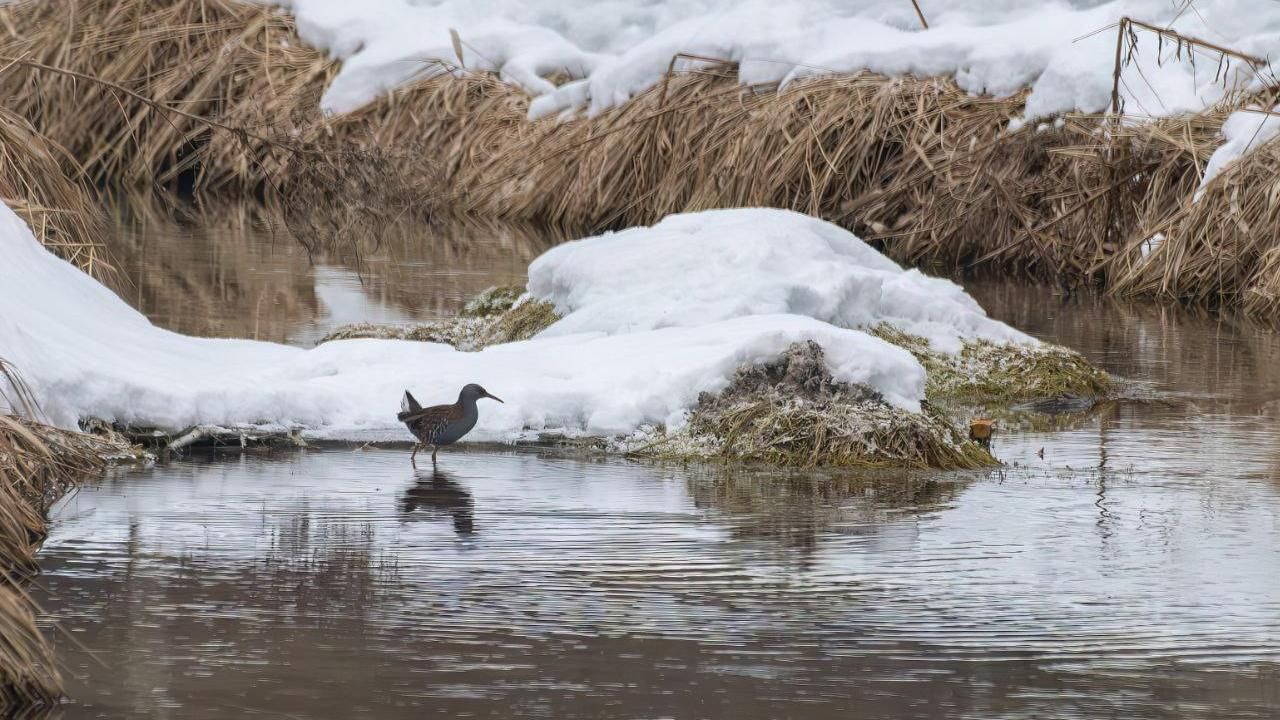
x=700 y=268
x=620 y=48
x=1242 y=133
x=606 y=369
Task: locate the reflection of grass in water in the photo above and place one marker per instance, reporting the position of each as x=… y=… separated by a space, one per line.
x=229 y=270
x=795 y=509
x=327 y=572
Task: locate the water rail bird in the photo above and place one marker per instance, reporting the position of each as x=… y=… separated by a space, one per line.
x=441 y=424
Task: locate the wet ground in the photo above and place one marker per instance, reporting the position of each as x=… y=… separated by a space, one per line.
x=1125 y=563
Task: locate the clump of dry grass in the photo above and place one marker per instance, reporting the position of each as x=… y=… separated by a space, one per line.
x=231 y=62
x=38 y=465
x=792 y=412
x=1221 y=250
x=39 y=181
x=29 y=678
x=206 y=97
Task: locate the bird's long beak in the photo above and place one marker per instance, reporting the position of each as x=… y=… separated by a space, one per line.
x=495 y=397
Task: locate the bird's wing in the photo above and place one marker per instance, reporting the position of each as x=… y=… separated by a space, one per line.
x=428 y=423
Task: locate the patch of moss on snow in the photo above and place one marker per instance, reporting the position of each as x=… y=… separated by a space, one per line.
x=1002 y=373
x=526 y=318
x=792 y=412
x=494 y=301
x=492 y=317
x=461 y=333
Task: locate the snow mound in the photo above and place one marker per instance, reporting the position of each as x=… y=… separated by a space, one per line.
x=699 y=268
x=85 y=353
x=621 y=48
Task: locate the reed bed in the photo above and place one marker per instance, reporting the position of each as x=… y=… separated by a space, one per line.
x=1222 y=249
x=220 y=96
x=197 y=62
x=926 y=171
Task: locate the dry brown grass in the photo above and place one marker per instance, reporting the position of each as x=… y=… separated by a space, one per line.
x=38 y=465
x=918 y=166
x=226 y=61
x=40 y=182
x=221 y=96
x=29 y=678
x=213 y=97
x=1222 y=250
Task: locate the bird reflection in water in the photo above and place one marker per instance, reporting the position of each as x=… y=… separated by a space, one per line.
x=435 y=493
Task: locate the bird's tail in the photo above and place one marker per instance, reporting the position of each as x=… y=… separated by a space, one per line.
x=408 y=404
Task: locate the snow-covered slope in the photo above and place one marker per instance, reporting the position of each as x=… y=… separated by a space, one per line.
x=621 y=47
x=654 y=317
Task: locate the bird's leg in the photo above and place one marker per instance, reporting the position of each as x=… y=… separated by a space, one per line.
x=414 y=454
x=434 y=450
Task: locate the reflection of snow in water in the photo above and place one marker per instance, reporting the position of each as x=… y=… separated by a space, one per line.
x=344 y=299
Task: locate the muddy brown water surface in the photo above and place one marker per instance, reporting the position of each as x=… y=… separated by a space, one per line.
x=1132 y=571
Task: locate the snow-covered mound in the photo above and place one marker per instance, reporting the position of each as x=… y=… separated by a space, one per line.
x=700 y=268
x=620 y=48
x=654 y=316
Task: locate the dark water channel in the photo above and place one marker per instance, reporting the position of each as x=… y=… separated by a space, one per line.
x=1133 y=571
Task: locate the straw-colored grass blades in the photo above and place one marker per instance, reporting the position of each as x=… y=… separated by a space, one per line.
x=219 y=96
x=1222 y=249
x=231 y=62
x=38 y=464
x=40 y=182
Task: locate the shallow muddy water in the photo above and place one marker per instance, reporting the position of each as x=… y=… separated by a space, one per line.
x=1125 y=564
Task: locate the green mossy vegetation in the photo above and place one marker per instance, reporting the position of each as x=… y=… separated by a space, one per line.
x=497 y=315
x=494 y=301
x=988 y=373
